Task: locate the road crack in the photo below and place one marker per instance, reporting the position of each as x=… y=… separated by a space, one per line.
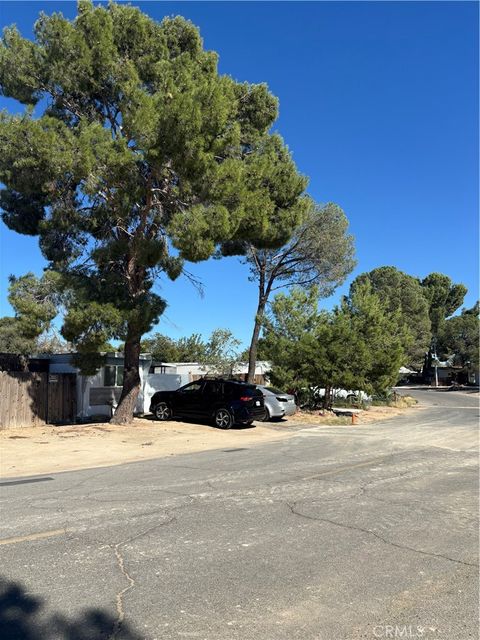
x=119 y=598
x=343 y=525
x=120 y=595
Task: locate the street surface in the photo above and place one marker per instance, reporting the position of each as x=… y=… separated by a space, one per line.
x=341 y=532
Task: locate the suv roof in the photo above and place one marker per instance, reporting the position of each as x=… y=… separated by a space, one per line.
x=222 y=379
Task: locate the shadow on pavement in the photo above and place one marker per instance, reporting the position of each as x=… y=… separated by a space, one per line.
x=199 y=422
x=21 y=619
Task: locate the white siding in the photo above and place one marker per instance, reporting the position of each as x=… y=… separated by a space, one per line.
x=161 y=382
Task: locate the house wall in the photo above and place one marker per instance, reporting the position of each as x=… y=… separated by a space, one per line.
x=89 y=389
x=195 y=370
x=93 y=397
x=188 y=369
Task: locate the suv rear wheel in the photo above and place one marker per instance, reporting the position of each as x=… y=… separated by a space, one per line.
x=162 y=411
x=223 y=418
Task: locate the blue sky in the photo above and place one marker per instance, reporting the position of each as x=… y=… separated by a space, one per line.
x=379 y=105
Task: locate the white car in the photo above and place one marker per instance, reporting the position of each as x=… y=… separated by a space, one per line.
x=344 y=394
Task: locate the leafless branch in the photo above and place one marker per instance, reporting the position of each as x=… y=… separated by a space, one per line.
x=195 y=281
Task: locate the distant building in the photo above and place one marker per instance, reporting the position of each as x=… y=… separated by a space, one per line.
x=195 y=370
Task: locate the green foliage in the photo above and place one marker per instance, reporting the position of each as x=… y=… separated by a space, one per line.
x=380 y=338
x=289 y=337
x=165 y=349
x=139 y=146
x=88 y=327
x=403 y=295
x=421 y=306
x=221 y=352
x=36 y=302
x=316 y=249
x=218 y=354
x=357 y=346
x=459 y=337
x=443 y=297
x=12 y=340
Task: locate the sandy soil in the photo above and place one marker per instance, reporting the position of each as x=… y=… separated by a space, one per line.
x=32 y=451
x=374 y=414
x=36 y=450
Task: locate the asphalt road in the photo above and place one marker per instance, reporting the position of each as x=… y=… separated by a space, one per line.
x=334 y=533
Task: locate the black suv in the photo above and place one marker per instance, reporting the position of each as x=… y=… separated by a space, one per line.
x=226 y=402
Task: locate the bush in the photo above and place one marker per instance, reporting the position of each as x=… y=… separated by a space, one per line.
x=391 y=398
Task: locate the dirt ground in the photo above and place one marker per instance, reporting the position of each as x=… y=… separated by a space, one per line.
x=373 y=414
x=32 y=451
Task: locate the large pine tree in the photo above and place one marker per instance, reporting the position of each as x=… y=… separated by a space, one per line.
x=133 y=154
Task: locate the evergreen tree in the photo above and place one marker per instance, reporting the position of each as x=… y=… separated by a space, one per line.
x=35 y=302
x=12 y=340
x=218 y=354
x=221 y=353
x=139 y=156
x=357 y=346
x=165 y=349
x=319 y=252
x=459 y=338
x=404 y=295
x=443 y=297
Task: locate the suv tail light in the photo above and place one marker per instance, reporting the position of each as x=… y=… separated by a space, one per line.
x=245 y=398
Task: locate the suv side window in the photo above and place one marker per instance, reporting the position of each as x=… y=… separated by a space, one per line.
x=229 y=390
x=250 y=391
x=211 y=388
x=191 y=388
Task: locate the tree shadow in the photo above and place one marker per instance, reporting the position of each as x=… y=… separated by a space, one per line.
x=21 y=619
x=200 y=422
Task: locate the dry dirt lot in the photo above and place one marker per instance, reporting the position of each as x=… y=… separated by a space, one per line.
x=41 y=450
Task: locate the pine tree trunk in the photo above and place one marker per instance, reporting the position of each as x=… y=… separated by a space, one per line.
x=327 y=404
x=252 y=354
x=427 y=367
x=131 y=380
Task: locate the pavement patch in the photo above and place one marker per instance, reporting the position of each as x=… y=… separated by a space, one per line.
x=34 y=536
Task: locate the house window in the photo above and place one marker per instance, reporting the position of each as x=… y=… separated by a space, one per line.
x=113 y=376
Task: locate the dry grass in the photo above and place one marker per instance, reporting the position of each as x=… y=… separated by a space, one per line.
x=367 y=415
x=404 y=402
x=397 y=401
x=319 y=417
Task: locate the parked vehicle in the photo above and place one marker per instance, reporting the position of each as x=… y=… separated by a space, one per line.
x=277 y=403
x=346 y=395
x=225 y=402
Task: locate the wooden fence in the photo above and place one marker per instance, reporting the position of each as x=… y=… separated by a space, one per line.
x=34 y=399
